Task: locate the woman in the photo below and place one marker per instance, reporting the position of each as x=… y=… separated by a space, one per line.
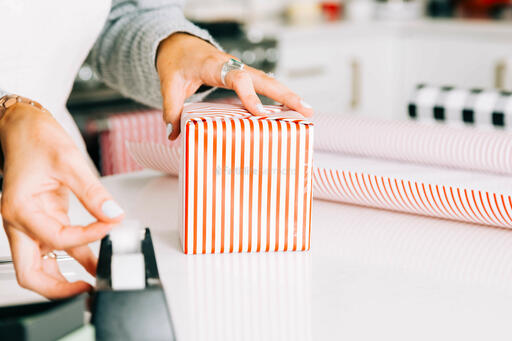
x=146 y=50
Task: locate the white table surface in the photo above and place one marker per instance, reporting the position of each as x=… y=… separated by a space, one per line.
x=370 y=275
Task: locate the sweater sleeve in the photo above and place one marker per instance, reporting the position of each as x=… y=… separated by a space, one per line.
x=124 y=56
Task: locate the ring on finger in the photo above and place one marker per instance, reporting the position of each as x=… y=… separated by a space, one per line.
x=49 y=255
x=228 y=66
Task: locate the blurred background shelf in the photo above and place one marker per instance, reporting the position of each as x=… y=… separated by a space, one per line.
x=362 y=57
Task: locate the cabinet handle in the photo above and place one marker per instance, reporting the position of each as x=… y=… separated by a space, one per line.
x=355 y=68
x=311 y=71
x=499 y=74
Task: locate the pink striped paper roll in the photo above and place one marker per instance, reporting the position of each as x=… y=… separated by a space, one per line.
x=443 y=193
x=456 y=147
x=245 y=181
x=144 y=126
x=157 y=156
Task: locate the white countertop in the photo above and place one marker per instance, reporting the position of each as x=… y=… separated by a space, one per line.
x=370 y=275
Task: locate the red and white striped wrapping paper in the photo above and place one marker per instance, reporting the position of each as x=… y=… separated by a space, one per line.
x=444 y=193
x=436 y=192
x=245 y=180
x=425 y=190
x=448 y=146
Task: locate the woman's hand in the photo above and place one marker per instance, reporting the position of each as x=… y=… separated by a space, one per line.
x=41 y=165
x=185 y=62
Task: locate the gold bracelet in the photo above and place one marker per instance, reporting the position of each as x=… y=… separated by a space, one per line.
x=9 y=100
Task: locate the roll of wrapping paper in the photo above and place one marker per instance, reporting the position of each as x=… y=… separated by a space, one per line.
x=141 y=126
x=456 y=147
x=448 y=146
x=482 y=108
x=425 y=190
x=404 y=187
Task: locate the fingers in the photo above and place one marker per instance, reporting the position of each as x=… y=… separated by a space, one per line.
x=38 y=214
x=174 y=95
x=240 y=81
x=56 y=236
x=53 y=288
x=36 y=274
x=61 y=237
x=50 y=267
x=84 y=256
x=246 y=83
x=93 y=195
x=176 y=87
x=272 y=88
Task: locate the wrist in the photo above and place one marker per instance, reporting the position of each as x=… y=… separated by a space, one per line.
x=18 y=123
x=18 y=114
x=10 y=105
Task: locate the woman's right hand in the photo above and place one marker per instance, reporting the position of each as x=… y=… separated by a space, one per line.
x=41 y=166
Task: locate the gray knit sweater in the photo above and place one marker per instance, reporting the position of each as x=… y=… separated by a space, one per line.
x=124 y=54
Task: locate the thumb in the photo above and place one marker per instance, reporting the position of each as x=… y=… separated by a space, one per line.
x=93 y=195
x=173 y=93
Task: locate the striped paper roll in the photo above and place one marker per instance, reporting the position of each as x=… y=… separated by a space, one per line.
x=457 y=147
x=245 y=181
x=486 y=108
x=143 y=126
x=448 y=146
x=159 y=156
x=435 y=192
x=443 y=193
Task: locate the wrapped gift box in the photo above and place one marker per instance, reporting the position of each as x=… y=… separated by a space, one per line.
x=245 y=181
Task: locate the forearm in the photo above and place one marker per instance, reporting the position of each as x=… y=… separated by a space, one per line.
x=124 y=56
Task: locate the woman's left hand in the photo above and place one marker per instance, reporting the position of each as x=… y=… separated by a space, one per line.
x=185 y=62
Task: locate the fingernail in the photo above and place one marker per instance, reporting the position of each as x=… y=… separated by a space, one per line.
x=262 y=110
x=111 y=209
x=305 y=105
x=169 y=129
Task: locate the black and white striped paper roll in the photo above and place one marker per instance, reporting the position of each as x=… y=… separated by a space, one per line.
x=475 y=107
